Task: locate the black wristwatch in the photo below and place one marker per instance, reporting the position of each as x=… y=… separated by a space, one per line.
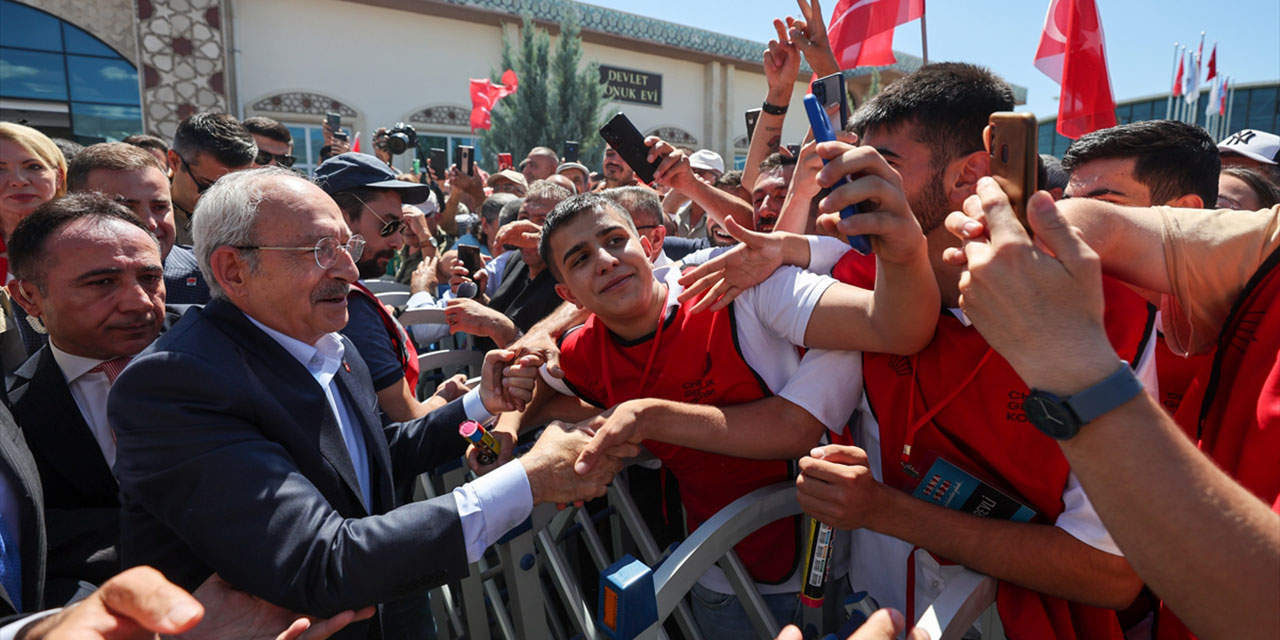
x=1061 y=418
x=773 y=109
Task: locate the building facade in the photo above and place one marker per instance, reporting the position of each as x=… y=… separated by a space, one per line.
x=100 y=70
x=1253 y=106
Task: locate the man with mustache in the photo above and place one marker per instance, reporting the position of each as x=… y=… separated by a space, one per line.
x=250 y=442
x=371 y=199
x=617 y=173
x=91 y=272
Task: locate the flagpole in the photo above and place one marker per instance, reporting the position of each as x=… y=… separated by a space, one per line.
x=1231 y=103
x=1173 y=78
x=924 y=39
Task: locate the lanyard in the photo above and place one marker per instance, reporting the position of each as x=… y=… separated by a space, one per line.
x=914 y=426
x=653 y=353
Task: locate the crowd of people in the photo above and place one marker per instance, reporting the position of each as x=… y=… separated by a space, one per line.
x=212 y=423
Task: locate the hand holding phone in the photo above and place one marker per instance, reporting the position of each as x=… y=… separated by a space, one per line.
x=822 y=132
x=505 y=161
x=570 y=151
x=465 y=160
x=627 y=140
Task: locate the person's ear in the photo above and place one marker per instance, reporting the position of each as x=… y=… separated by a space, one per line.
x=173 y=159
x=564 y=292
x=230 y=270
x=1187 y=201
x=22 y=292
x=960 y=180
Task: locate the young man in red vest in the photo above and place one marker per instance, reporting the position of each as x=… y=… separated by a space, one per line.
x=723 y=399
x=951 y=414
x=1143 y=164
x=1208 y=545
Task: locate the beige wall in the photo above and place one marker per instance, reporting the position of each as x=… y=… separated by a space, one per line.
x=387 y=64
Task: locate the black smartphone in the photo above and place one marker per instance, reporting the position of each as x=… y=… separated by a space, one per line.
x=340 y=135
x=627 y=140
x=1011 y=144
x=753 y=116
x=470 y=257
x=465 y=163
x=438 y=162
x=334 y=121
x=830 y=91
x=794 y=149
x=570 y=150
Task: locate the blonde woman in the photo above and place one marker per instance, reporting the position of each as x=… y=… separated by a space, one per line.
x=32 y=172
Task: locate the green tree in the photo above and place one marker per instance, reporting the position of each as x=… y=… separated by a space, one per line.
x=556 y=100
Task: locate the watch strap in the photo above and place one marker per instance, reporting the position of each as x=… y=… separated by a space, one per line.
x=1113 y=391
x=773 y=109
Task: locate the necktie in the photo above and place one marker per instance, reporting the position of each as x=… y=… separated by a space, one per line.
x=10 y=565
x=112 y=368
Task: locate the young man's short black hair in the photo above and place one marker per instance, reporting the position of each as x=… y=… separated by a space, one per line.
x=1051 y=175
x=948 y=102
x=773 y=162
x=217 y=134
x=567 y=211
x=1172 y=158
x=27 y=257
x=268 y=128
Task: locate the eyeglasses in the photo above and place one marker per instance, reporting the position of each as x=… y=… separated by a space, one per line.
x=201 y=186
x=326 y=250
x=388 y=226
x=264 y=158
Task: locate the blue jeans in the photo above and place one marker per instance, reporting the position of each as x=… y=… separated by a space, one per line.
x=721 y=615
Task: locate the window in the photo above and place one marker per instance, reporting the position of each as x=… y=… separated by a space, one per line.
x=46 y=59
x=308 y=139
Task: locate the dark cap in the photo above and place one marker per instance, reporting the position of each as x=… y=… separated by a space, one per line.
x=354 y=170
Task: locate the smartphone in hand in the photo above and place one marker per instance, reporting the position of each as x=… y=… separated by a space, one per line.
x=822 y=132
x=470 y=257
x=570 y=151
x=465 y=160
x=505 y=162
x=627 y=140
x=753 y=116
x=830 y=91
x=1015 y=164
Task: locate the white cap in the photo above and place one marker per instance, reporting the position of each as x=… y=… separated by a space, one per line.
x=707 y=160
x=1251 y=143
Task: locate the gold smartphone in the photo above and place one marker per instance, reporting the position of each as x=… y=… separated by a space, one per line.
x=1011 y=145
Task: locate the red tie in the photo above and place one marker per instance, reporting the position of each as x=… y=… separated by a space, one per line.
x=112 y=368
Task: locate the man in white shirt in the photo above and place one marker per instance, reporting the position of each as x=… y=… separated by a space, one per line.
x=266 y=461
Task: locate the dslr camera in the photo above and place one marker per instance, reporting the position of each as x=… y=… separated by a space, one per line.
x=397 y=139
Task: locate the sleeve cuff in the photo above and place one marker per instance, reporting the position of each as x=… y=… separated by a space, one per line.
x=419 y=300
x=824 y=253
x=492 y=505
x=10 y=631
x=474 y=406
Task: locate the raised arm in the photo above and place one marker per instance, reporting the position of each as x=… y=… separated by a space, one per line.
x=674 y=171
x=781 y=66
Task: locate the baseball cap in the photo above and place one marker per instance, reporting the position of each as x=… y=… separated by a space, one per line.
x=707 y=160
x=509 y=175
x=573 y=165
x=353 y=170
x=1251 y=143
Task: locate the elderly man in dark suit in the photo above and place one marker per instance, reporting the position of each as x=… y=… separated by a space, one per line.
x=250 y=441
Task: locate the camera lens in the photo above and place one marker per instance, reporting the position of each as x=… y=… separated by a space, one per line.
x=397 y=143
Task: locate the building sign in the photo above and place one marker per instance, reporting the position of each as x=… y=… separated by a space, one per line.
x=627 y=85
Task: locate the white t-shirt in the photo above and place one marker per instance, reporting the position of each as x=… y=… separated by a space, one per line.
x=771 y=319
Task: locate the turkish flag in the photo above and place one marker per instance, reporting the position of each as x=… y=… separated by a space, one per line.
x=1213 y=63
x=486 y=94
x=861 y=31
x=1072 y=52
x=1177 y=82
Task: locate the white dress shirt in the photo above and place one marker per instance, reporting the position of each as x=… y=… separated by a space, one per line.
x=89 y=390
x=488 y=507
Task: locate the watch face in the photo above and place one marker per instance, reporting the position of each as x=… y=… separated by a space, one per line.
x=1050 y=416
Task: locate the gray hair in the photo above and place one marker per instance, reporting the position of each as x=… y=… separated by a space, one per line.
x=227 y=216
x=641 y=203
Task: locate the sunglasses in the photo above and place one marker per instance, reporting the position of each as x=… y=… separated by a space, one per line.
x=394 y=225
x=201 y=185
x=265 y=158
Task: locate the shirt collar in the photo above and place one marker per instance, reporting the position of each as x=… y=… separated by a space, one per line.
x=72 y=366
x=328 y=348
x=964 y=320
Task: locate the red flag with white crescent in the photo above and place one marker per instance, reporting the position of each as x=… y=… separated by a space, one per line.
x=1072 y=51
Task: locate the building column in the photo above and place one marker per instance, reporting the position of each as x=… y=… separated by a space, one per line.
x=184 y=61
x=712 y=105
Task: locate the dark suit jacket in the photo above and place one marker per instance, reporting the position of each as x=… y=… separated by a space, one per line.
x=19 y=467
x=82 y=509
x=230 y=460
x=183 y=282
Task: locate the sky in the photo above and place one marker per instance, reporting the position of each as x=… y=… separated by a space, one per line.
x=1004 y=34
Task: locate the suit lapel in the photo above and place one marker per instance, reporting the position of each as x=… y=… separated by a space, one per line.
x=54 y=426
x=20 y=467
x=294 y=388
x=370 y=425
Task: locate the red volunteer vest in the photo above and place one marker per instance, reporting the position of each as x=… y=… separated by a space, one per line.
x=401 y=345
x=1176 y=374
x=978 y=424
x=697 y=361
x=1233 y=408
